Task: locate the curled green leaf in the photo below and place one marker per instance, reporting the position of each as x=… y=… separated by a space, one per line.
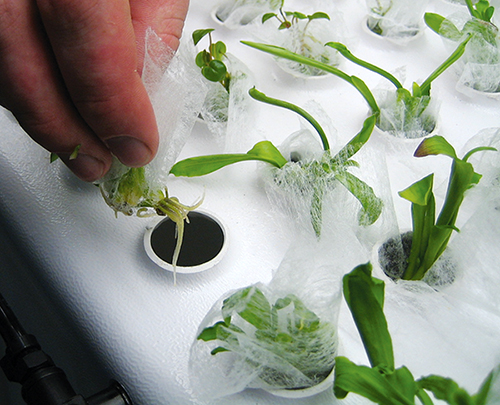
x=199 y=34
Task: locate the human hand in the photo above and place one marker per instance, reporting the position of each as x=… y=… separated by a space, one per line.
x=71 y=75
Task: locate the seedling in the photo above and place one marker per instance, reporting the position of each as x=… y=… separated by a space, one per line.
x=275 y=337
x=132 y=194
x=210 y=60
x=430 y=236
x=483 y=50
x=288 y=18
x=302 y=35
x=379 y=8
x=382 y=383
x=321 y=173
x=410 y=108
x=480 y=25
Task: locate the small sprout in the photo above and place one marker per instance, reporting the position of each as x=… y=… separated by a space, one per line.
x=210 y=60
x=481 y=10
x=288 y=18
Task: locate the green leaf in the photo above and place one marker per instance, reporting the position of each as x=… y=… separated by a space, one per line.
x=251 y=304
x=286 y=54
x=442 y=26
x=363 y=89
x=435 y=145
x=199 y=166
x=370 y=203
x=268 y=16
x=257 y=95
x=215 y=71
x=426 y=85
x=267 y=152
x=481 y=397
x=203 y=58
x=356 y=143
x=217 y=350
x=478 y=149
x=364 y=296
x=218 y=50
x=53 y=157
x=445 y=389
x=419 y=192
x=318 y=15
x=296 y=14
x=377 y=384
x=74 y=154
x=210 y=333
x=199 y=34
x=346 y=53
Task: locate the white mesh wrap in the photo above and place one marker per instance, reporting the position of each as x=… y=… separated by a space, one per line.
x=235 y=13
x=176 y=91
x=252 y=362
x=397 y=20
x=227 y=113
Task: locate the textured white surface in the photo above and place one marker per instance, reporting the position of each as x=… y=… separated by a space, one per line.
x=127 y=309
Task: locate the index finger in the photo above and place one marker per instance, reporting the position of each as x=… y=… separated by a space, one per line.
x=95 y=48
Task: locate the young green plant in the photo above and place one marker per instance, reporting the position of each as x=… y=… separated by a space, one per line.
x=430 y=236
x=305 y=35
x=415 y=102
x=379 y=9
x=288 y=18
x=132 y=194
x=329 y=167
x=283 y=335
x=480 y=24
x=210 y=60
x=383 y=383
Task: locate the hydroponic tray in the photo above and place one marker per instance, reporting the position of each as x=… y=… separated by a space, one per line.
x=92 y=266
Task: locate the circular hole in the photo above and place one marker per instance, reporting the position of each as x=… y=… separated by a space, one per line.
x=203 y=241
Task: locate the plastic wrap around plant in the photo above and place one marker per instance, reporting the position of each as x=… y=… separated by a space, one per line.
x=479 y=68
x=226 y=112
x=304 y=35
x=307 y=39
x=235 y=13
x=175 y=97
x=280 y=336
x=396 y=20
x=404 y=116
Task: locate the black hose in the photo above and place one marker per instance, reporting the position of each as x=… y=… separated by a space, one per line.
x=42 y=382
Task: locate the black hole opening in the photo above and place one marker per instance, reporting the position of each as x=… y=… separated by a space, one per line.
x=203 y=240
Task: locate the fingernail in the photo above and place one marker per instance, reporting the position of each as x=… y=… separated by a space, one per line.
x=87 y=168
x=130 y=151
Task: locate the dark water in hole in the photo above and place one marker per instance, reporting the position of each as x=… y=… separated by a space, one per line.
x=203 y=240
